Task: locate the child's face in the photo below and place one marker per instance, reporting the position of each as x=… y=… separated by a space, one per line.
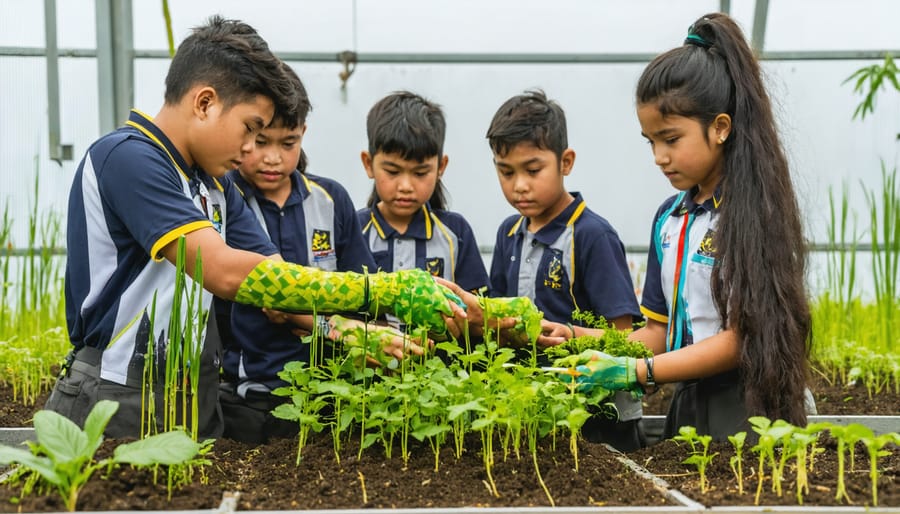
x=224 y=136
x=532 y=181
x=687 y=154
x=272 y=159
x=403 y=185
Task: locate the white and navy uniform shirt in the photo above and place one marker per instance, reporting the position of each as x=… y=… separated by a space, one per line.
x=677 y=290
x=317 y=226
x=132 y=195
x=437 y=241
x=576 y=261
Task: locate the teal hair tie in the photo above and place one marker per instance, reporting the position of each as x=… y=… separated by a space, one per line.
x=696 y=40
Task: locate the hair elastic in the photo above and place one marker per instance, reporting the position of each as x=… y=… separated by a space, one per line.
x=696 y=40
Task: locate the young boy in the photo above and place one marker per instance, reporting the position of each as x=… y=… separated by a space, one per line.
x=406 y=223
x=312 y=221
x=556 y=251
x=143 y=187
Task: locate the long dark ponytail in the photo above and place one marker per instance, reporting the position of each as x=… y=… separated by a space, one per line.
x=758 y=276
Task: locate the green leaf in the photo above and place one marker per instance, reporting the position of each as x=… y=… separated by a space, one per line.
x=96 y=422
x=168 y=448
x=456 y=410
x=41 y=465
x=60 y=438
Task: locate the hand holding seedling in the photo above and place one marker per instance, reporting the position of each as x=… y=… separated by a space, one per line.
x=383 y=344
x=598 y=369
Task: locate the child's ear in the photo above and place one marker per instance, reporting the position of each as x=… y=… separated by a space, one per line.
x=567 y=161
x=442 y=166
x=202 y=100
x=721 y=126
x=367 y=163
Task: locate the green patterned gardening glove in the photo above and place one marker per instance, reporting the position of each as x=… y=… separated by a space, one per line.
x=411 y=295
x=521 y=307
x=294 y=288
x=598 y=369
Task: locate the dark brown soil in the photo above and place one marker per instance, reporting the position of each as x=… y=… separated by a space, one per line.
x=267 y=479
x=664 y=460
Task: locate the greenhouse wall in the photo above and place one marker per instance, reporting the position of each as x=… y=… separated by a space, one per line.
x=829 y=151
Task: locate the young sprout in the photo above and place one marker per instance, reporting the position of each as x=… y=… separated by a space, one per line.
x=737 y=440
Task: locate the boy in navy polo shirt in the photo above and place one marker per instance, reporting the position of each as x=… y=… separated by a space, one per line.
x=556 y=251
x=406 y=224
x=312 y=221
x=142 y=188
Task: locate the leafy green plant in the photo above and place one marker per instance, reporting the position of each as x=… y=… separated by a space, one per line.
x=875 y=447
x=305 y=405
x=63 y=455
x=770 y=434
x=869 y=80
x=736 y=461
x=699 y=455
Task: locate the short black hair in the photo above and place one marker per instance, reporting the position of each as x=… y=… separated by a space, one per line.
x=295 y=117
x=407 y=124
x=231 y=57
x=529 y=118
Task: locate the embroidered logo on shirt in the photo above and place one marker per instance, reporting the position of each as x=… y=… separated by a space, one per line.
x=706 y=248
x=217 y=217
x=554 y=270
x=667 y=241
x=321 y=245
x=435 y=266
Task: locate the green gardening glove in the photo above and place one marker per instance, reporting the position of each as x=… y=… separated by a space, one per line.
x=522 y=308
x=411 y=295
x=598 y=369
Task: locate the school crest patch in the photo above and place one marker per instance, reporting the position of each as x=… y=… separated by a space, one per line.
x=435 y=266
x=217 y=217
x=706 y=248
x=321 y=245
x=553 y=280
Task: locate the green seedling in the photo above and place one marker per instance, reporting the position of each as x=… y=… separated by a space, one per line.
x=700 y=456
x=63 y=455
x=736 y=461
x=875 y=447
x=769 y=435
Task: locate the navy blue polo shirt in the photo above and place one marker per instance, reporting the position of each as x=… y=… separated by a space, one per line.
x=132 y=195
x=329 y=238
x=575 y=261
x=438 y=241
x=687 y=308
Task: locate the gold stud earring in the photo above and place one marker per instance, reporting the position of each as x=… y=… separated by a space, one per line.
x=722 y=140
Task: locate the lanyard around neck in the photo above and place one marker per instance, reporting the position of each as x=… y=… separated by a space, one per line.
x=678 y=314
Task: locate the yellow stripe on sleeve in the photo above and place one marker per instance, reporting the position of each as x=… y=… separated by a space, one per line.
x=655 y=316
x=172 y=235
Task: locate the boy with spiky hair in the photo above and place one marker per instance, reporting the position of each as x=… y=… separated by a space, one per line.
x=406 y=222
x=556 y=251
x=142 y=188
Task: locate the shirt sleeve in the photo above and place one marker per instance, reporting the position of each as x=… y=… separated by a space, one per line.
x=499 y=285
x=470 y=272
x=243 y=230
x=653 y=300
x=143 y=189
x=606 y=280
